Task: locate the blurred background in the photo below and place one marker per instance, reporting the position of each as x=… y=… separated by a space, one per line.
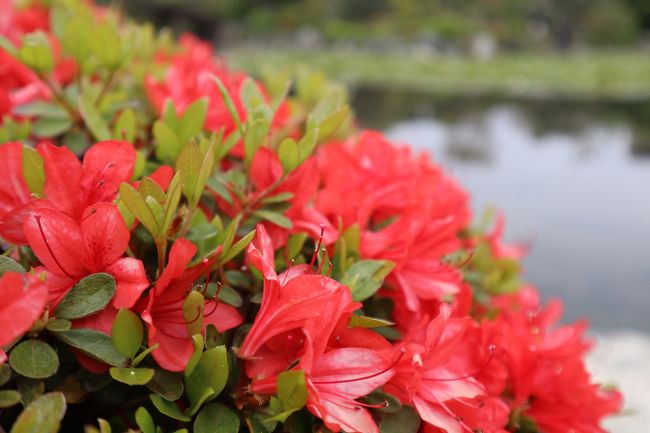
x=541 y=108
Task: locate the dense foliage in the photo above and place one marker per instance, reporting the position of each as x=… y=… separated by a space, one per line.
x=186 y=248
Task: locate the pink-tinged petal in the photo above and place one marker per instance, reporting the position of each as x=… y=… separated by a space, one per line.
x=173 y=353
x=436 y=416
x=260 y=253
x=351 y=372
x=314 y=223
x=223 y=317
x=13 y=189
x=62 y=179
x=360 y=338
x=57 y=242
x=20 y=307
x=180 y=256
x=131 y=280
x=3 y=357
x=348 y=418
x=105 y=235
x=106 y=164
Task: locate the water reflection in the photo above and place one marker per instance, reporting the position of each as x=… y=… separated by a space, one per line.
x=567 y=176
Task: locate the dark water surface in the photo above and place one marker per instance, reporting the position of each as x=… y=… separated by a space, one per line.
x=573 y=178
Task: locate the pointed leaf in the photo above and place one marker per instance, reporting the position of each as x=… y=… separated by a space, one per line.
x=92 y=118
x=168 y=408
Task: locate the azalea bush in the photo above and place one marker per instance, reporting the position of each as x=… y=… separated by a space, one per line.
x=186 y=248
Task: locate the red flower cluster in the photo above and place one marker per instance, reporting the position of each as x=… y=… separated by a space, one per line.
x=270 y=250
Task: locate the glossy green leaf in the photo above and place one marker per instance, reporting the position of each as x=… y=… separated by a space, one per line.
x=125 y=126
x=168 y=408
x=33 y=170
x=10 y=265
x=8 y=398
x=332 y=122
x=51 y=127
x=199 y=345
x=92 y=118
x=365 y=277
x=406 y=420
x=292 y=389
x=227 y=99
x=167 y=384
x=216 y=418
x=87 y=297
x=43 y=415
x=171 y=204
x=127 y=332
x=211 y=372
x=239 y=246
x=188 y=164
x=307 y=144
x=34 y=359
x=94 y=344
x=193 y=312
x=132 y=376
x=144 y=421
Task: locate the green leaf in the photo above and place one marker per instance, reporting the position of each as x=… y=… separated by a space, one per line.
x=34 y=359
x=8 y=398
x=193 y=119
x=171 y=204
x=5 y=374
x=148 y=187
x=92 y=118
x=211 y=373
x=205 y=171
x=58 y=325
x=216 y=418
x=250 y=94
x=406 y=420
x=87 y=297
x=41 y=109
x=125 y=126
x=36 y=52
x=167 y=142
x=289 y=155
x=199 y=345
x=167 y=384
x=94 y=344
x=10 y=265
x=132 y=376
x=168 y=408
x=307 y=144
x=365 y=277
x=43 y=415
x=332 y=122
x=29 y=389
x=105 y=45
x=127 y=332
x=188 y=164
x=230 y=105
x=33 y=170
x=368 y=322
x=144 y=421
x=254 y=138
x=139 y=208
x=51 y=127
x=292 y=389
x=238 y=247
x=274 y=217
x=193 y=312
x=75 y=38
x=277 y=198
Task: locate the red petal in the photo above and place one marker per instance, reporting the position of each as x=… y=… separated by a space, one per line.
x=105 y=235
x=162 y=176
x=13 y=189
x=106 y=165
x=173 y=354
x=180 y=255
x=224 y=317
x=260 y=253
x=62 y=179
x=57 y=242
x=19 y=308
x=265 y=169
x=131 y=280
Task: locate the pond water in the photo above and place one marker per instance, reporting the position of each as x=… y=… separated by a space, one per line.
x=573 y=180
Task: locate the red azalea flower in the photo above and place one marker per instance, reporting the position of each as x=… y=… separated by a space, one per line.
x=71 y=186
x=71 y=250
x=430 y=378
x=14 y=193
x=299 y=311
x=17 y=20
x=20 y=307
x=163 y=309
